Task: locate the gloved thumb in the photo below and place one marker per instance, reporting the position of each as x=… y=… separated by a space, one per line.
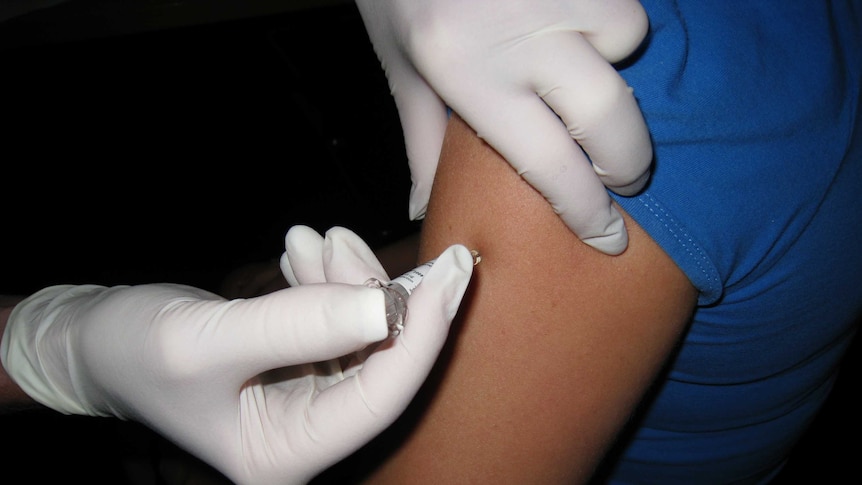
x=394 y=372
x=423 y=118
x=431 y=308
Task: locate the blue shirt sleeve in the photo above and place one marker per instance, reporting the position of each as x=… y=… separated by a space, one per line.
x=754 y=109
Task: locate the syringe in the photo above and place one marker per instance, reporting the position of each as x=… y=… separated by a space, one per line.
x=397 y=291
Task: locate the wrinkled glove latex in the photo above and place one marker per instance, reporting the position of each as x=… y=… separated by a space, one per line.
x=230 y=381
x=342 y=257
x=501 y=64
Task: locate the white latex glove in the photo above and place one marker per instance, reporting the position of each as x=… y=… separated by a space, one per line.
x=342 y=257
x=228 y=380
x=513 y=69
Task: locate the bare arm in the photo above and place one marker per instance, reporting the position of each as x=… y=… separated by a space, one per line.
x=556 y=346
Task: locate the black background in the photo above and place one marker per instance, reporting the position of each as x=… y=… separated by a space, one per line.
x=177 y=155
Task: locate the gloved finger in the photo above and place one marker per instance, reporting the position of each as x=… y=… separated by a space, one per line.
x=533 y=140
x=347 y=259
x=615 y=28
x=307 y=323
x=599 y=111
x=358 y=408
x=423 y=118
x=302 y=260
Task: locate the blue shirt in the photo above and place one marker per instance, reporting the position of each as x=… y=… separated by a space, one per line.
x=756 y=194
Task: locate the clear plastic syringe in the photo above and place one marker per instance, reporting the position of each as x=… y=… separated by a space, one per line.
x=397 y=291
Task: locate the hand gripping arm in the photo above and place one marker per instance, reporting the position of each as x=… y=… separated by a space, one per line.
x=534 y=80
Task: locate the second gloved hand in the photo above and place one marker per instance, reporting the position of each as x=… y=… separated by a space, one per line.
x=530 y=77
x=233 y=382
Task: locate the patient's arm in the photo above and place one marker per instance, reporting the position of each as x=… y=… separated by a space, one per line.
x=556 y=346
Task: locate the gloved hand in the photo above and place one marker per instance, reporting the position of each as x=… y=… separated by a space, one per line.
x=229 y=381
x=342 y=257
x=512 y=69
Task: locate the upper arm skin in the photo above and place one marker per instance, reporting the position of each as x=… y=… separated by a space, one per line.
x=555 y=344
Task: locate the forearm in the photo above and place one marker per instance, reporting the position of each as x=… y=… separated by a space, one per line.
x=12 y=398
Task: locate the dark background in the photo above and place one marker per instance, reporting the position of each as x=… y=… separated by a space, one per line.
x=157 y=141
x=178 y=154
